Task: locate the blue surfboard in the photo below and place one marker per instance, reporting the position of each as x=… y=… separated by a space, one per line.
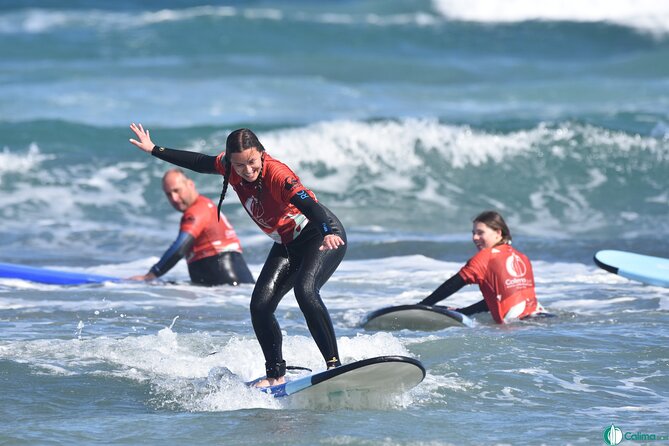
x=639 y=267
x=50 y=276
x=415 y=317
x=386 y=374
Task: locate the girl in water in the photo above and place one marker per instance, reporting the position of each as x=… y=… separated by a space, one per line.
x=504 y=274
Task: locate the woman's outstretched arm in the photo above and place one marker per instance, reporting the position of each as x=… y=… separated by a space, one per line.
x=197 y=162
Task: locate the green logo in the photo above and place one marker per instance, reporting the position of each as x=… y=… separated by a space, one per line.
x=612 y=435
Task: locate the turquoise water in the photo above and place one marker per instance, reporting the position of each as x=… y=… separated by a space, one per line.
x=407 y=118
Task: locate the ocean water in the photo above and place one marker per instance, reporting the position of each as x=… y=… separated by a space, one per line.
x=407 y=118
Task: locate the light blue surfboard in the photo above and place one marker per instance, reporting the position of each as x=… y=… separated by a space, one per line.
x=383 y=374
x=639 y=267
x=50 y=276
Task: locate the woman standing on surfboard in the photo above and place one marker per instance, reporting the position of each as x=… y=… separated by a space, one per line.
x=310 y=241
x=503 y=274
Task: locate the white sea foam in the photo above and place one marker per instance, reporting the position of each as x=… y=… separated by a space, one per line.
x=36 y=20
x=43 y=20
x=21 y=162
x=182 y=368
x=390 y=146
x=647 y=15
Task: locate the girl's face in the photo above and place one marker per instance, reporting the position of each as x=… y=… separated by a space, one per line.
x=484 y=236
x=247 y=164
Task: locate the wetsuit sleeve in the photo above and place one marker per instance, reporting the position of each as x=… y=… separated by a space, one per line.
x=197 y=162
x=449 y=287
x=313 y=211
x=174 y=253
x=478 y=307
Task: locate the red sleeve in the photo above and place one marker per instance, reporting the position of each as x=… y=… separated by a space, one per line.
x=220 y=163
x=193 y=222
x=475 y=269
x=284 y=184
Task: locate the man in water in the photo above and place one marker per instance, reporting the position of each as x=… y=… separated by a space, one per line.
x=206 y=238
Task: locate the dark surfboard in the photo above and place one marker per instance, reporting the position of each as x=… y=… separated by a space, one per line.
x=415 y=317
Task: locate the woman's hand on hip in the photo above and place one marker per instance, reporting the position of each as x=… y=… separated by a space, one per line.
x=331 y=241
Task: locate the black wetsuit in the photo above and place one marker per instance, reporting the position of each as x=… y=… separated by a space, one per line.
x=299 y=265
x=226 y=268
x=452 y=285
x=302 y=266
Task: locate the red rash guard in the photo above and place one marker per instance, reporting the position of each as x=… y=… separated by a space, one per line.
x=274 y=214
x=505 y=278
x=211 y=236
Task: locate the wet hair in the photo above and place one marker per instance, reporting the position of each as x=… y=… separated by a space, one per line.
x=495 y=221
x=238 y=141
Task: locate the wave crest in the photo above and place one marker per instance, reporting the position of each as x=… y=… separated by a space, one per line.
x=648 y=15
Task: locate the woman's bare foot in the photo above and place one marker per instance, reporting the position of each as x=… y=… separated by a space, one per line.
x=269 y=382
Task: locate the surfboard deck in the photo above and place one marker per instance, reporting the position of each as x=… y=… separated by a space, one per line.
x=50 y=276
x=415 y=317
x=387 y=374
x=639 y=267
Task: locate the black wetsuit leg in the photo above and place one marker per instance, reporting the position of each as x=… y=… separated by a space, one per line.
x=316 y=267
x=275 y=280
x=302 y=266
x=226 y=268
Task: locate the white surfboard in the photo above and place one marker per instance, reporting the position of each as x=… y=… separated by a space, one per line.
x=639 y=267
x=415 y=317
x=387 y=374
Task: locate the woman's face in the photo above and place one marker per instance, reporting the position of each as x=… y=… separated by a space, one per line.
x=484 y=236
x=247 y=164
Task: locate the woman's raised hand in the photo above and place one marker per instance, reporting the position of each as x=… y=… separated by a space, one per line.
x=144 y=137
